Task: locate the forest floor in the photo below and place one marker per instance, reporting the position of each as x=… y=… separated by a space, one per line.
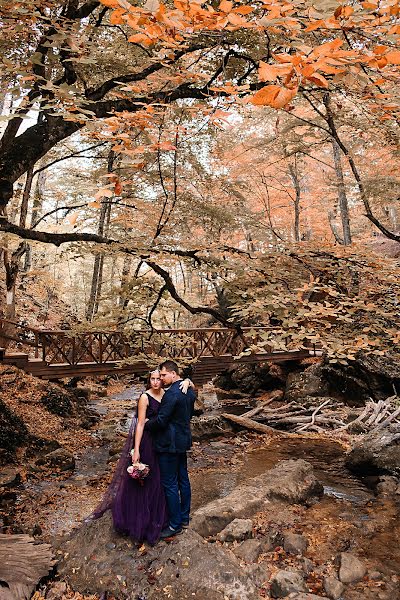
x=50 y=503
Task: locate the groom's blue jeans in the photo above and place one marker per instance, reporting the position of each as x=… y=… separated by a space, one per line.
x=175 y=480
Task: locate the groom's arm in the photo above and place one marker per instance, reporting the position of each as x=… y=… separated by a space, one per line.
x=161 y=421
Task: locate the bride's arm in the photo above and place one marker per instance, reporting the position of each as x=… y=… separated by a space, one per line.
x=186 y=384
x=142 y=407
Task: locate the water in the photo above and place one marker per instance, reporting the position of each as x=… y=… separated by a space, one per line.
x=327 y=458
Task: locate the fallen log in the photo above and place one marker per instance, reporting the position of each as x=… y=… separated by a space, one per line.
x=253 y=425
x=23 y=563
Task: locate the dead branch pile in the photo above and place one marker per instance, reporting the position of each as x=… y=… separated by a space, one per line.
x=330 y=415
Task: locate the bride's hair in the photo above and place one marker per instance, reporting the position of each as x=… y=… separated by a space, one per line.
x=149 y=377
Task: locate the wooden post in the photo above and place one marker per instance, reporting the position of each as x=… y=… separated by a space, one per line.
x=101 y=348
x=73 y=351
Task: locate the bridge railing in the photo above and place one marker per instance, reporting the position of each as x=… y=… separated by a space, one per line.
x=101 y=347
x=69 y=347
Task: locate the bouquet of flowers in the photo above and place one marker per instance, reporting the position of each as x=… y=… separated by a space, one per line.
x=138 y=470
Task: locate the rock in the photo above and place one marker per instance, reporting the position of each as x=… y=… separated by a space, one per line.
x=369 y=376
x=272 y=540
x=387 y=486
x=209 y=426
x=59 y=459
x=294 y=543
x=258 y=574
x=238 y=529
x=83 y=393
x=249 y=550
x=376 y=452
x=304 y=596
x=351 y=568
x=333 y=588
x=224 y=395
x=251 y=377
x=290 y=480
x=307 y=565
x=375 y=575
x=57 y=591
x=9 y=477
x=306 y=383
x=285 y=582
x=186 y=567
x=40 y=446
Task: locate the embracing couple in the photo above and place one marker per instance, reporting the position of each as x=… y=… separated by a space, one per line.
x=158 y=506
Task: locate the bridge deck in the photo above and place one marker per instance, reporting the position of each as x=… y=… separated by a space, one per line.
x=204 y=370
x=57 y=354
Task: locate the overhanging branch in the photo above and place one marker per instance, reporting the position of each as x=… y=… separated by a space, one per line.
x=194 y=310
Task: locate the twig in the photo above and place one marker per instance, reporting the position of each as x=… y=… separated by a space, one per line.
x=314 y=414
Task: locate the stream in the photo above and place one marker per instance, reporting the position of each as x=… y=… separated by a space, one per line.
x=223 y=464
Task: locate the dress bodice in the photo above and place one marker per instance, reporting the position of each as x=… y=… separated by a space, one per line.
x=153 y=407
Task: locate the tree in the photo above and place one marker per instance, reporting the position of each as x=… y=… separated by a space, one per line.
x=114 y=68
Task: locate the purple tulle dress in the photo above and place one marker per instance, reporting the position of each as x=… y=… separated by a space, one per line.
x=139 y=511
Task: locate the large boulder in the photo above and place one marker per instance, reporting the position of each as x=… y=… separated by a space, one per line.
x=252 y=377
x=290 y=481
x=97 y=560
x=307 y=383
x=377 y=452
x=368 y=376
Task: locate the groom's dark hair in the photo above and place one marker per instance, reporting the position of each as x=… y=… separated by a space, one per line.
x=170 y=365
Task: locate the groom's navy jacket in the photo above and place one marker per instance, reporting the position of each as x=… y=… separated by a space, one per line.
x=171 y=428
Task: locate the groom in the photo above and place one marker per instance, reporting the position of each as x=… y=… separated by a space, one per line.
x=172 y=438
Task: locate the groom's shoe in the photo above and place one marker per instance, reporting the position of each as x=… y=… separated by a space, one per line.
x=168 y=532
x=185 y=524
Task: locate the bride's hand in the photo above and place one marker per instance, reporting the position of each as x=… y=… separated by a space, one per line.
x=185 y=385
x=136 y=457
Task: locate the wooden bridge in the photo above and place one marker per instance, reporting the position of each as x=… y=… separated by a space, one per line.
x=54 y=354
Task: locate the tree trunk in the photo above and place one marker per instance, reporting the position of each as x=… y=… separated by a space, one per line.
x=36 y=210
x=342 y=197
x=101 y=262
x=332 y=214
x=296 y=184
x=126 y=269
x=25 y=198
x=12 y=263
x=97 y=276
